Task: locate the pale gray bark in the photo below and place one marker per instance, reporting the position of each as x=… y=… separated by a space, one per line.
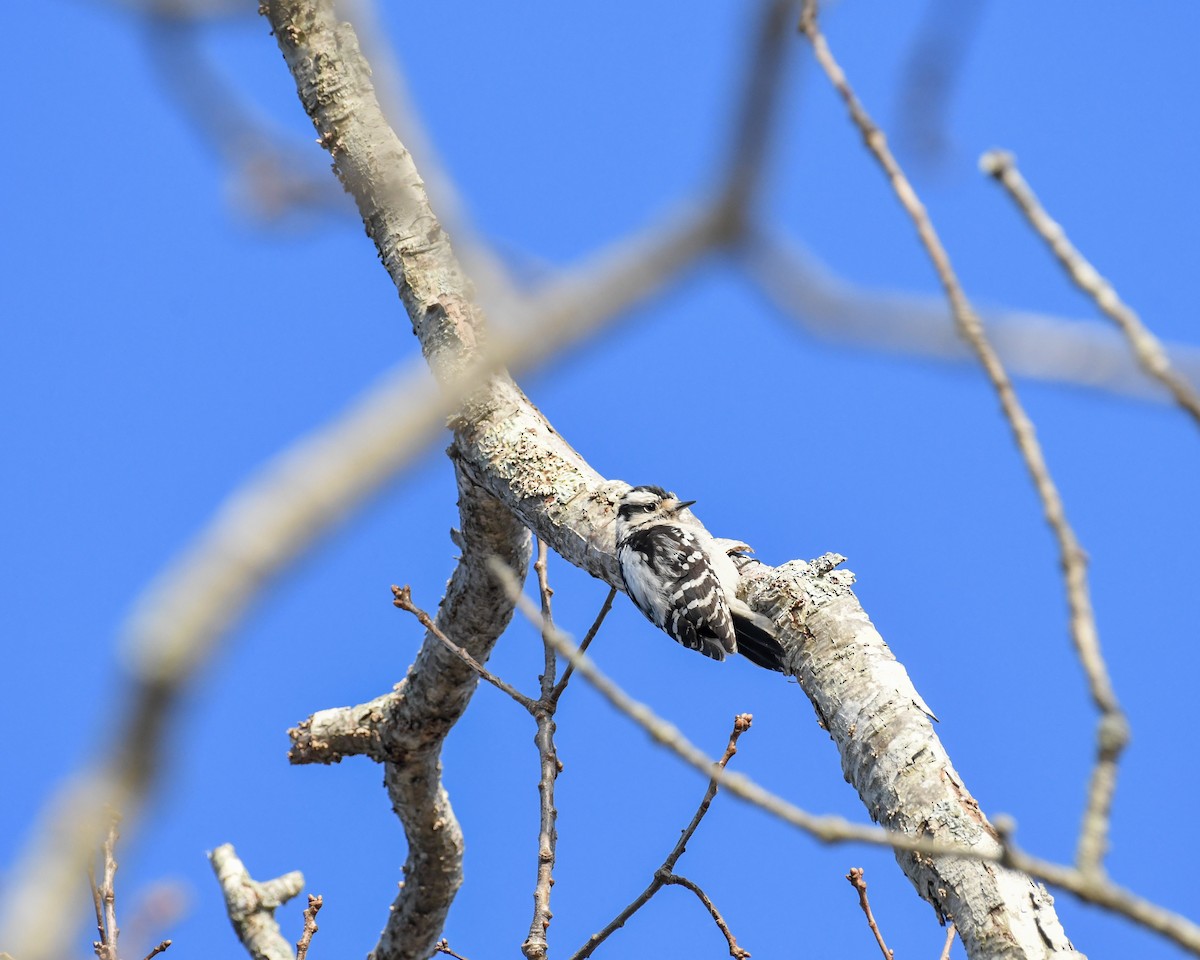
x=506 y=445
x=251 y=905
x=893 y=758
x=405 y=728
x=429 y=701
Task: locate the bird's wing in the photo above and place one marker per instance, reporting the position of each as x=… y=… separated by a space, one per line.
x=698 y=615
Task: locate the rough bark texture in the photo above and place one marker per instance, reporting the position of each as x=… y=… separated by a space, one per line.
x=889 y=750
x=894 y=759
x=404 y=729
x=251 y=905
x=474 y=612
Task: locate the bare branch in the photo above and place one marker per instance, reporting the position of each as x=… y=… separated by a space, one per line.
x=549 y=674
x=422 y=710
x=1081 y=353
x=835 y=621
x=857 y=881
x=586 y=642
x=945 y=954
x=1002 y=167
x=1113 y=730
x=161 y=948
x=104 y=897
x=734 y=950
x=535 y=946
x=828 y=829
x=741 y=724
x=403 y=600
x=108 y=893
x=251 y=905
x=930 y=74
x=310 y=925
x=98 y=904
x=757 y=113
x=443 y=946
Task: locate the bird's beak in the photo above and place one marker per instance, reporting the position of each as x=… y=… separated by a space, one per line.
x=682 y=505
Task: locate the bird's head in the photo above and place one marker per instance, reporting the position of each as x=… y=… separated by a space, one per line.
x=646 y=505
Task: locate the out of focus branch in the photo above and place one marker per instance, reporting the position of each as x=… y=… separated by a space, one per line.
x=930 y=75
x=269 y=177
x=271 y=521
x=756 y=117
x=1080 y=353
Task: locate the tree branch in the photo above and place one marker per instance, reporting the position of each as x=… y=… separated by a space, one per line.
x=403 y=600
x=310 y=926
x=427 y=703
x=535 y=946
x=251 y=905
x=855 y=876
x=1080 y=353
x=741 y=724
x=735 y=951
x=1002 y=167
x=1112 y=729
x=508 y=447
x=405 y=728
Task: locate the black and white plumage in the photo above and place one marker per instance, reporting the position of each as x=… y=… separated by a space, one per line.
x=684 y=583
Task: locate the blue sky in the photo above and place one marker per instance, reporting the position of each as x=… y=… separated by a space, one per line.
x=161 y=343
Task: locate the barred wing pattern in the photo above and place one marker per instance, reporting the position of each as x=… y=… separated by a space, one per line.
x=661 y=555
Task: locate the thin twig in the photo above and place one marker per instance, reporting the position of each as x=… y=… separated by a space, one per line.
x=855 y=876
x=826 y=828
x=1146 y=347
x=157 y=950
x=443 y=946
x=586 y=642
x=1089 y=887
x=738 y=953
x=535 y=946
x=402 y=598
x=105 y=898
x=315 y=902
x=1113 y=732
x=945 y=954
x=551 y=660
x=97 y=903
x=1112 y=735
x=741 y=723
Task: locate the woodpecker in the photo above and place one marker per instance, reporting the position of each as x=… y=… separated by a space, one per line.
x=684 y=583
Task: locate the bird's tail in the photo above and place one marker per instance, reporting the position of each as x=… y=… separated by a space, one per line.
x=757 y=645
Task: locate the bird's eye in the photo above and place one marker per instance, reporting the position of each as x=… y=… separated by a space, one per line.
x=648 y=507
